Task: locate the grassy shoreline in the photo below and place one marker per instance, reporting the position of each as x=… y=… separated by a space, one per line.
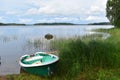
x=84 y=59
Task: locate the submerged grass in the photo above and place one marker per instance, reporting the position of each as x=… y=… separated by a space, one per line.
x=84 y=59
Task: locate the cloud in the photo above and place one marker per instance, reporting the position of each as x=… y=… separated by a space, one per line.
x=45 y=20
x=58 y=19
x=10 y=5
x=96 y=18
x=67 y=7
x=66 y=19
x=57 y=7
x=21 y=20
x=1 y=19
x=95 y=10
x=98 y=7
x=89 y=18
x=27 y=11
x=11 y=12
x=32 y=11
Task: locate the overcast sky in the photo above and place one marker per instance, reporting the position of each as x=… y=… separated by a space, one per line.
x=39 y=11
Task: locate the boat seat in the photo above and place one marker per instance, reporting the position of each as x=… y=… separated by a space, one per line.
x=34 y=58
x=37 y=62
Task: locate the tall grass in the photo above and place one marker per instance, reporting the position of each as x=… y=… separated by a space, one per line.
x=78 y=55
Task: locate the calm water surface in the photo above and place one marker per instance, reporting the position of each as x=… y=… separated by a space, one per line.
x=16 y=41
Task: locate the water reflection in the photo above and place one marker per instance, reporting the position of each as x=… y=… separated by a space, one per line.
x=6 y=39
x=0 y=60
x=37 y=44
x=99 y=34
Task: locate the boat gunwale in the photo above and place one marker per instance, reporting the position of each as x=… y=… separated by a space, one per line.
x=38 y=65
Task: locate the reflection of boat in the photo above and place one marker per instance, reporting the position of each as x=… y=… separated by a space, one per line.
x=40 y=63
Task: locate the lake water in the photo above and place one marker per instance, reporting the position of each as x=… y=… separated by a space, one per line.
x=16 y=41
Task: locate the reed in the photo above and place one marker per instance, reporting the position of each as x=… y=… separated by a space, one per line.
x=78 y=56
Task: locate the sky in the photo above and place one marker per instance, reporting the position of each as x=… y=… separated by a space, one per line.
x=49 y=11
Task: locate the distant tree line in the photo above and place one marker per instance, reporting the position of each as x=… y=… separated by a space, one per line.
x=54 y=24
x=16 y=24
x=7 y=24
x=100 y=23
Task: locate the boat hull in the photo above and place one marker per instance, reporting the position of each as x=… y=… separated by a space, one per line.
x=40 y=63
x=45 y=70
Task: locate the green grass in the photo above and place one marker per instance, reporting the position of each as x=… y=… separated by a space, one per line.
x=101 y=74
x=88 y=58
x=93 y=74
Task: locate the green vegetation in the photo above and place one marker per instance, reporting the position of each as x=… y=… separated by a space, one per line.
x=16 y=24
x=37 y=24
x=113 y=12
x=54 y=24
x=1 y=23
x=11 y=24
x=100 y=23
x=86 y=58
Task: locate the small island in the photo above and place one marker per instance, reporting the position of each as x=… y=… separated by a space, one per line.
x=55 y=24
x=11 y=24
x=100 y=23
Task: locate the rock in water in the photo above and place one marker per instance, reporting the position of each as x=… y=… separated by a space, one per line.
x=48 y=36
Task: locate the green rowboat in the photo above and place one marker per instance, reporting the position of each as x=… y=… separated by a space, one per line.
x=39 y=63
